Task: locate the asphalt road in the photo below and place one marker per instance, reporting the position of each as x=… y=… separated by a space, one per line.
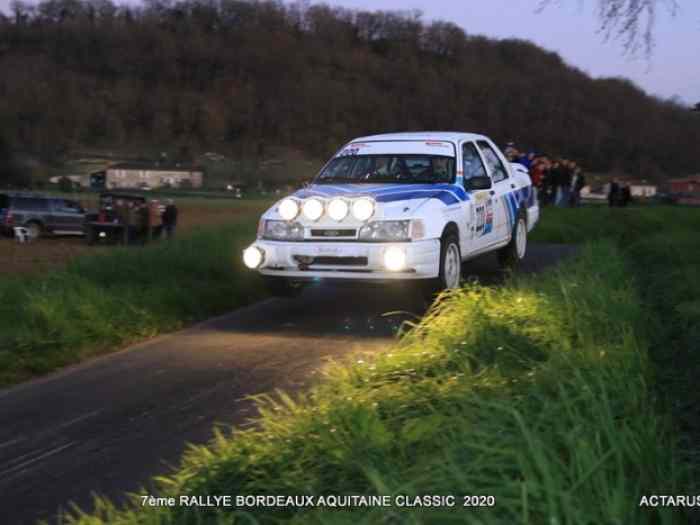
x=108 y=425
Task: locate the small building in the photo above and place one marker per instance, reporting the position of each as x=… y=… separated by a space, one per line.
x=685 y=185
x=642 y=189
x=639 y=188
x=128 y=175
x=594 y=193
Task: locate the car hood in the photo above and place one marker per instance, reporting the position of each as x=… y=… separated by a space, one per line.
x=410 y=196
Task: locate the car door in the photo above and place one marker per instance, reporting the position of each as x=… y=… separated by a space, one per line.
x=501 y=206
x=66 y=216
x=479 y=208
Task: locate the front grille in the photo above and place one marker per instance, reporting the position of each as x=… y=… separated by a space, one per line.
x=333 y=233
x=330 y=261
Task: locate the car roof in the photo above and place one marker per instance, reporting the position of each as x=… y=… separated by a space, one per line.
x=452 y=136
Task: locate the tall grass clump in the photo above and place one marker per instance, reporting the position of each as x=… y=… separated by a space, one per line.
x=662 y=246
x=102 y=301
x=535 y=393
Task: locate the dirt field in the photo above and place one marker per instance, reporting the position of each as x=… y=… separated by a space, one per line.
x=53 y=252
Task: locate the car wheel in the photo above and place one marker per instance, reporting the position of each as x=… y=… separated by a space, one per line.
x=282 y=287
x=34 y=229
x=515 y=251
x=450 y=275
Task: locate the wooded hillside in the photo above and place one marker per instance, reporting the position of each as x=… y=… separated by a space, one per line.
x=242 y=76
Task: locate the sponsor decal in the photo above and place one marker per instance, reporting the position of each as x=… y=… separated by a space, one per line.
x=484 y=218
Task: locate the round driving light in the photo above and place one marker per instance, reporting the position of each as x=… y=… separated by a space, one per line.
x=394 y=259
x=363 y=209
x=338 y=209
x=253 y=257
x=313 y=209
x=288 y=209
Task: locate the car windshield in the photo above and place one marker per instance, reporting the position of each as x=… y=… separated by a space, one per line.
x=409 y=169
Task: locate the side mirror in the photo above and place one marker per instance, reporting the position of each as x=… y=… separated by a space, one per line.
x=478 y=183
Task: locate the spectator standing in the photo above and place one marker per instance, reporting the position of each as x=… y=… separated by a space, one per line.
x=578 y=181
x=613 y=193
x=156 y=219
x=555 y=178
x=564 y=184
x=625 y=195
x=170 y=219
x=536 y=172
x=537 y=176
x=510 y=152
x=132 y=221
x=526 y=159
x=144 y=222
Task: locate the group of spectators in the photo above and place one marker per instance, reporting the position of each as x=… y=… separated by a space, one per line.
x=558 y=180
x=145 y=220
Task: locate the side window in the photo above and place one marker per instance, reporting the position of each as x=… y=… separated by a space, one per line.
x=30 y=204
x=471 y=162
x=496 y=167
x=64 y=206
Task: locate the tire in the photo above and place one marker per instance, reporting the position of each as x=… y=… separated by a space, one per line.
x=510 y=255
x=450 y=274
x=282 y=287
x=35 y=229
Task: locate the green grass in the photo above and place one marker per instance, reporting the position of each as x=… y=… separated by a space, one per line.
x=622 y=225
x=101 y=302
x=540 y=392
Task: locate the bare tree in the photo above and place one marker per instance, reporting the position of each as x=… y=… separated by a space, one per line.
x=631 y=21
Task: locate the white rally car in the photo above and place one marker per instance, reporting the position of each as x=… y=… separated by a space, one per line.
x=401 y=206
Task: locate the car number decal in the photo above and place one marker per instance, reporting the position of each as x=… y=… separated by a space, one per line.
x=484 y=218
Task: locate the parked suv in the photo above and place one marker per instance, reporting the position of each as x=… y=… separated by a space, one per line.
x=40 y=214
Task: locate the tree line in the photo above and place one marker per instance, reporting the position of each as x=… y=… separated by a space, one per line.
x=240 y=76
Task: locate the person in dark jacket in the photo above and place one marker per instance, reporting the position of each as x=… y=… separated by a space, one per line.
x=578 y=181
x=565 y=175
x=170 y=219
x=613 y=193
x=555 y=178
x=625 y=195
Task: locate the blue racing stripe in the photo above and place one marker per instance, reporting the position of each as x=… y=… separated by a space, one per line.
x=447 y=193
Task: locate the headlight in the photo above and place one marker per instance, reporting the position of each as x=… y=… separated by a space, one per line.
x=385 y=231
x=395 y=259
x=313 y=209
x=338 y=209
x=283 y=231
x=253 y=257
x=363 y=209
x=288 y=209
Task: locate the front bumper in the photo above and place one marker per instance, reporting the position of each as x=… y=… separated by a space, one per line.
x=347 y=260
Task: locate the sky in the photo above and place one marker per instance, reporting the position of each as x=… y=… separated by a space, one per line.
x=570 y=27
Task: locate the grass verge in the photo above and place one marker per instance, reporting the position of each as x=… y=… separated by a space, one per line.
x=536 y=393
x=99 y=302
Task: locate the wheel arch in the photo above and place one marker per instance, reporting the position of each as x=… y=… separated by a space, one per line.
x=34 y=220
x=450 y=228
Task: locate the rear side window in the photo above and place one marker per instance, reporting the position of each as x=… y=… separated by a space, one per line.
x=496 y=167
x=30 y=204
x=471 y=162
x=64 y=206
